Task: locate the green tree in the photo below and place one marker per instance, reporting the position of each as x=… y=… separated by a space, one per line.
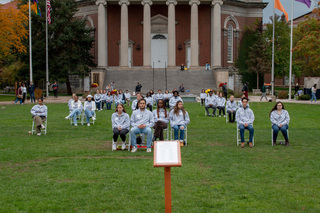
x=69 y=43
x=307 y=48
x=259 y=60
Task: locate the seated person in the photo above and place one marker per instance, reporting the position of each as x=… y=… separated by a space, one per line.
x=181 y=88
x=123 y=101
x=120 y=126
x=279 y=118
x=179 y=119
x=39 y=115
x=182 y=67
x=203 y=96
x=220 y=104
x=207 y=66
x=245 y=118
x=211 y=102
x=127 y=96
x=158 y=96
x=141 y=122
x=97 y=99
x=75 y=110
x=118 y=98
x=89 y=108
x=161 y=119
x=240 y=102
x=149 y=101
x=69 y=102
x=174 y=99
x=134 y=105
x=166 y=98
x=103 y=99
x=231 y=109
x=109 y=100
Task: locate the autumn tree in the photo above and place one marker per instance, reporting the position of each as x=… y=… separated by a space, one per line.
x=307 y=49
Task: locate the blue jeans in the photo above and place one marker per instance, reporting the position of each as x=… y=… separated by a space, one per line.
x=135 y=130
x=89 y=114
x=207 y=67
x=313 y=97
x=283 y=129
x=176 y=129
x=98 y=105
x=251 y=132
x=109 y=105
x=74 y=115
x=32 y=97
x=18 y=99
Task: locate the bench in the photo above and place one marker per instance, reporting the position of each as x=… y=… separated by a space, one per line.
x=256 y=91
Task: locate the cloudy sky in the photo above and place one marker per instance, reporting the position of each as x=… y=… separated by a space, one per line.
x=299 y=8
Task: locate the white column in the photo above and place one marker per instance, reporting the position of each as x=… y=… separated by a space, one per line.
x=216 y=33
x=194 y=34
x=124 y=38
x=171 y=33
x=101 y=33
x=146 y=32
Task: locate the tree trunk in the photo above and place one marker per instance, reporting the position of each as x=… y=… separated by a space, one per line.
x=69 y=90
x=257 y=80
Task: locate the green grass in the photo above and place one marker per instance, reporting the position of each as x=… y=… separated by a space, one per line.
x=73 y=169
x=7 y=97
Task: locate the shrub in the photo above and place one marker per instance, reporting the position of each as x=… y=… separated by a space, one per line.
x=304 y=97
x=283 y=95
x=238 y=95
x=38 y=93
x=230 y=91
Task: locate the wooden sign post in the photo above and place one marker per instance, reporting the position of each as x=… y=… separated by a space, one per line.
x=167 y=154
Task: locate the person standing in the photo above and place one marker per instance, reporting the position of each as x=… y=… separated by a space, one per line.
x=138 y=88
x=245 y=89
x=24 y=92
x=225 y=90
x=313 y=93
x=19 y=95
x=120 y=126
x=55 y=89
x=141 y=121
x=263 y=92
x=296 y=88
x=279 y=118
x=39 y=115
x=32 y=88
x=245 y=118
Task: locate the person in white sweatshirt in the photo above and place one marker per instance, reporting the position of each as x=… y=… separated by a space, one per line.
x=75 y=110
x=161 y=119
x=179 y=119
x=89 y=108
x=203 y=96
x=120 y=126
x=39 y=115
x=280 y=119
x=221 y=104
x=245 y=118
x=231 y=109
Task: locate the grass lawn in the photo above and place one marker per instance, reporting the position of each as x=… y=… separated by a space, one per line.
x=73 y=169
x=7 y=98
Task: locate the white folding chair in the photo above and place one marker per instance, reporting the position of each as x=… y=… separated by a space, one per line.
x=79 y=117
x=205 y=112
x=278 y=136
x=84 y=118
x=164 y=131
x=185 y=135
x=238 y=136
x=128 y=145
x=45 y=123
x=143 y=145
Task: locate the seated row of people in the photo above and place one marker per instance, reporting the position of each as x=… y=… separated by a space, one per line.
x=215 y=102
x=102 y=98
x=143 y=120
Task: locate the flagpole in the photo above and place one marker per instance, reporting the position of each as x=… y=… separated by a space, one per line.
x=47 y=65
x=30 y=43
x=272 y=70
x=291 y=40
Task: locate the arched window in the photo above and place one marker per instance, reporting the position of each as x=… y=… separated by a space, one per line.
x=230 y=43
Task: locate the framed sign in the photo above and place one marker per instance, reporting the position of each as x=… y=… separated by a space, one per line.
x=167 y=154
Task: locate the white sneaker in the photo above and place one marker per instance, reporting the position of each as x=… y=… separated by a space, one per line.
x=93 y=118
x=123 y=145
x=39 y=134
x=148 y=149
x=134 y=149
x=42 y=126
x=67 y=117
x=88 y=124
x=75 y=124
x=114 y=146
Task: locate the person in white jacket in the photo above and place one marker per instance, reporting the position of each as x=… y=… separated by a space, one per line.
x=280 y=119
x=179 y=119
x=75 y=110
x=203 y=96
x=211 y=102
x=120 y=126
x=174 y=99
x=89 y=108
x=245 y=118
x=161 y=120
x=231 y=109
x=134 y=105
x=39 y=115
x=128 y=96
x=221 y=104
x=97 y=99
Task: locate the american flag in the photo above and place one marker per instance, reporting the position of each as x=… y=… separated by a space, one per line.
x=49 y=11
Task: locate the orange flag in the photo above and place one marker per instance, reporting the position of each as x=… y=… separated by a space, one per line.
x=278 y=5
